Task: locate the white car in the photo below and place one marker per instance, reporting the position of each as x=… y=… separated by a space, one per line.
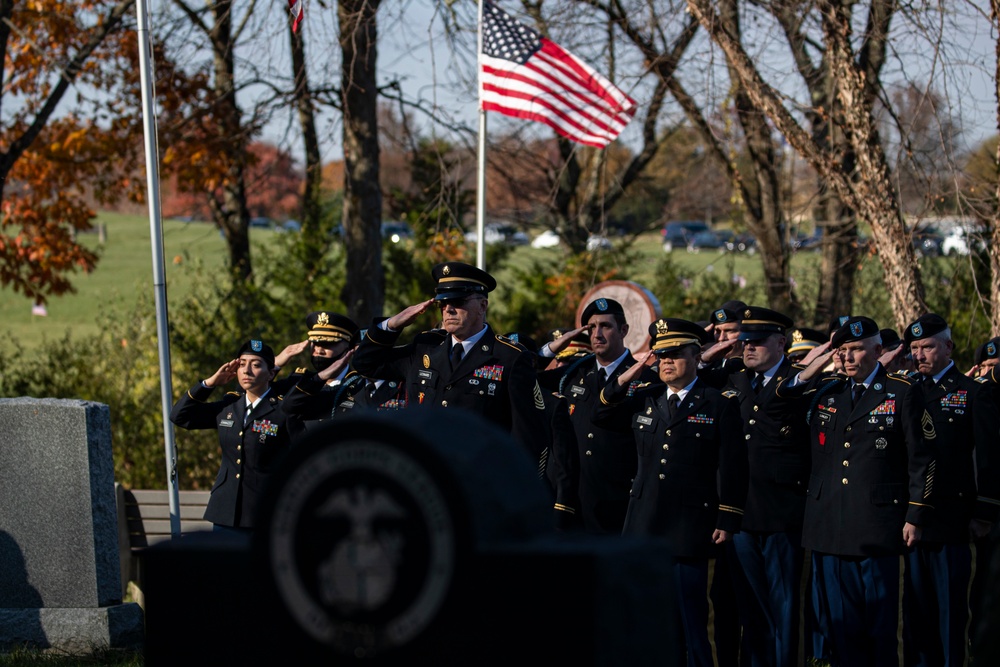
x=547 y=239
x=598 y=242
x=958 y=240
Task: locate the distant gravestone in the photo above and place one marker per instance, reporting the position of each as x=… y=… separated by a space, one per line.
x=58 y=529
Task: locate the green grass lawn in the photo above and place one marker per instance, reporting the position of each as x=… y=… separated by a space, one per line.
x=125 y=270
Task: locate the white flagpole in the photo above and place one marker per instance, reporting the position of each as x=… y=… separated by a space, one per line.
x=480 y=155
x=156 y=236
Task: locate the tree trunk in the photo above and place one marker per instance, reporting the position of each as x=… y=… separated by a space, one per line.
x=229 y=209
x=364 y=290
x=994 y=246
x=869 y=189
x=312 y=235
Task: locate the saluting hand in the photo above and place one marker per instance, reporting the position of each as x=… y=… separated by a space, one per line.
x=973 y=372
x=226 y=372
x=890 y=356
x=817 y=359
x=290 y=352
x=633 y=371
x=718 y=350
x=559 y=344
x=408 y=316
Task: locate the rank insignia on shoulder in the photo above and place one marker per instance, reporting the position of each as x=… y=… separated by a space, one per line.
x=730 y=393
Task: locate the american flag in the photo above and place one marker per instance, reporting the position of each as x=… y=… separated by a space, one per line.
x=528 y=76
x=296 y=10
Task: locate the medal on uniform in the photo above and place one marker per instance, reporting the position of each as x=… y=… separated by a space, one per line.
x=427 y=361
x=491 y=388
x=881 y=443
x=420 y=398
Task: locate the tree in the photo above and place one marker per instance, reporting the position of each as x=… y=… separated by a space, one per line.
x=864 y=181
x=45 y=154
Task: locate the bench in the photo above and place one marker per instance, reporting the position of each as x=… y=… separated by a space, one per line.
x=144 y=520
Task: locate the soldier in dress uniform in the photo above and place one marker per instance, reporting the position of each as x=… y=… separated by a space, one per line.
x=463 y=365
x=606 y=456
x=254 y=432
x=725 y=356
x=869 y=487
x=691 y=483
x=963 y=436
x=560 y=464
x=801 y=342
x=986 y=358
x=768 y=550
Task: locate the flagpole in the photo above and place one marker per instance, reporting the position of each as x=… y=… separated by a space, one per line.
x=156 y=236
x=480 y=153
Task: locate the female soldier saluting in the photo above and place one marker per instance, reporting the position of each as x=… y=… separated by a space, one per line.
x=253 y=432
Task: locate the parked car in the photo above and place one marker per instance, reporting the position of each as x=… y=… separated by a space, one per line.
x=598 y=242
x=547 y=239
x=961 y=239
x=803 y=241
x=289 y=226
x=261 y=223
x=707 y=240
x=678 y=233
x=927 y=242
x=499 y=233
x=735 y=242
x=396 y=231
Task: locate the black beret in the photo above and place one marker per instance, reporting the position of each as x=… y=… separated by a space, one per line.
x=325 y=326
x=988 y=350
x=456 y=280
x=925 y=327
x=579 y=345
x=258 y=349
x=855 y=328
x=731 y=311
x=669 y=333
x=760 y=323
x=836 y=322
x=601 y=306
x=890 y=339
x=803 y=340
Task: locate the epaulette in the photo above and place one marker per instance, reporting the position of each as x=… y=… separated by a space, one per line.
x=730 y=393
x=301 y=370
x=982 y=380
x=509 y=343
x=643 y=385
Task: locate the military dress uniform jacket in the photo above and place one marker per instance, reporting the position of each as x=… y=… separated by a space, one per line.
x=496 y=379
x=692 y=476
x=871 y=470
x=964 y=440
x=311 y=399
x=606 y=455
x=776 y=436
x=249 y=453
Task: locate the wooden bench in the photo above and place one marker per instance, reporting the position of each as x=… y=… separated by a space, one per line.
x=144 y=520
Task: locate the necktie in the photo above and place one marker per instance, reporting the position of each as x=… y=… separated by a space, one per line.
x=758 y=382
x=456 y=355
x=246 y=417
x=672 y=403
x=856 y=393
x=602 y=376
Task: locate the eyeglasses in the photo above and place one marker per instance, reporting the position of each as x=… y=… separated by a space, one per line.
x=458 y=303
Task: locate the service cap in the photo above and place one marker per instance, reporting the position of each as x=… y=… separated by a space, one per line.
x=601 y=306
x=669 y=333
x=760 y=323
x=456 y=280
x=325 y=326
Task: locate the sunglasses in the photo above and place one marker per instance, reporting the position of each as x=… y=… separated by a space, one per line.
x=457 y=303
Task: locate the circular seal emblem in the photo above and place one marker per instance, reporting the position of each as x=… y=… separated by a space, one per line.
x=361 y=546
x=640 y=306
